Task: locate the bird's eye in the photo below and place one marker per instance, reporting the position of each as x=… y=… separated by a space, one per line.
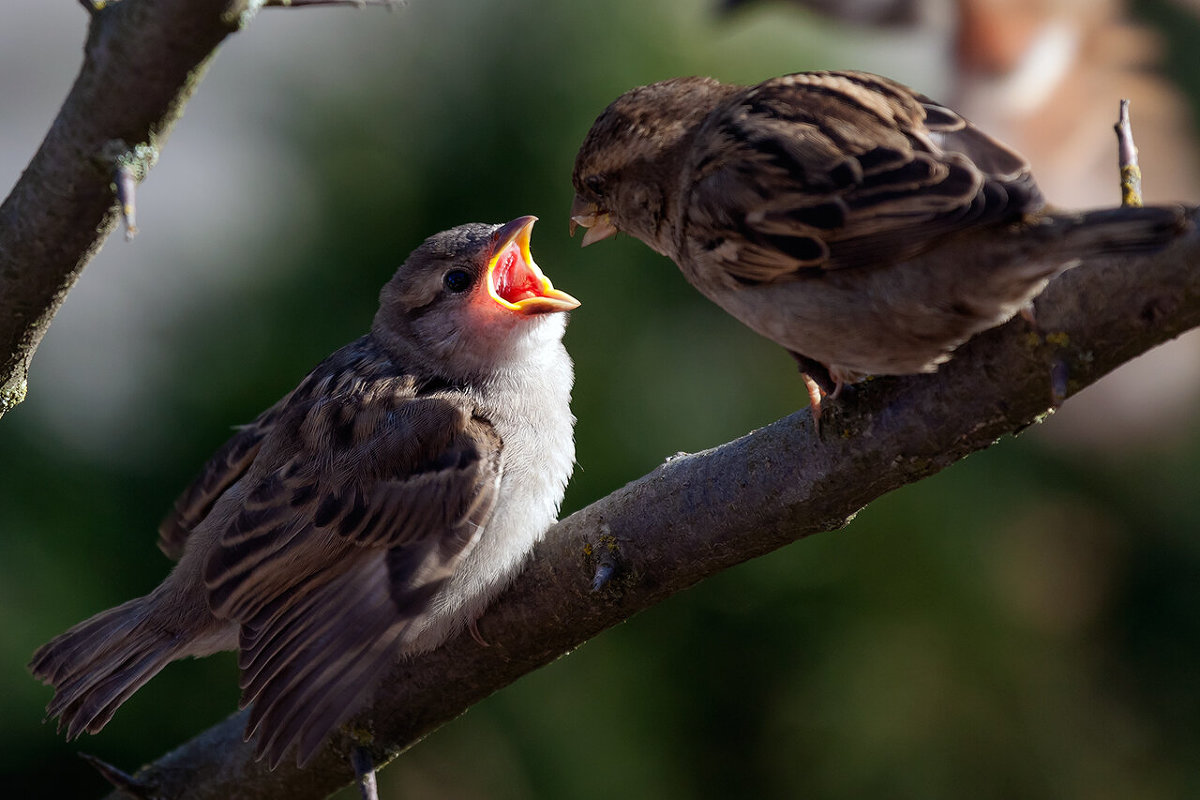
x=595 y=184
x=457 y=280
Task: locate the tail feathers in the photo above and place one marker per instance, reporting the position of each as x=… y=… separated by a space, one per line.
x=97 y=665
x=1123 y=231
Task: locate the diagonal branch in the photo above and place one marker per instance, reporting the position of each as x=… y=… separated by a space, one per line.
x=697 y=515
x=142 y=61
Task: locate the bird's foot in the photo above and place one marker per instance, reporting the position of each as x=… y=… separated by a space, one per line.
x=364 y=773
x=814 y=400
x=820 y=381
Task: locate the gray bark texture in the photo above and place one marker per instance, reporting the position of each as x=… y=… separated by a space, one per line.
x=142 y=61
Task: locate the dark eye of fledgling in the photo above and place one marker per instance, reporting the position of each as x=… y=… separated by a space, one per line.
x=457 y=281
x=595 y=184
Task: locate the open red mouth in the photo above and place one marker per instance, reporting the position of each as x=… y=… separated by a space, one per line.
x=514 y=280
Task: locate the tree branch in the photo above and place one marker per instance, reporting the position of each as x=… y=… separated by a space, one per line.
x=142 y=61
x=697 y=515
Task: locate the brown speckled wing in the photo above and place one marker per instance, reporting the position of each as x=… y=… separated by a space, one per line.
x=840 y=170
x=379 y=506
x=365 y=495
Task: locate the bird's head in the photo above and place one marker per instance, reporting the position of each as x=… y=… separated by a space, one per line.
x=471 y=299
x=628 y=165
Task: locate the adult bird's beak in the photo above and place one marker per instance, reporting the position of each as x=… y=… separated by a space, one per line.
x=599 y=224
x=514 y=280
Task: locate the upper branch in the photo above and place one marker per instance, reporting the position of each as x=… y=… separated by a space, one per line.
x=142 y=61
x=699 y=514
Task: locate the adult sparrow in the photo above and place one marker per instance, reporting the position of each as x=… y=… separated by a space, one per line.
x=864 y=227
x=371 y=513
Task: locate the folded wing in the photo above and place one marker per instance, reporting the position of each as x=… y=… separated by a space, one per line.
x=335 y=552
x=845 y=170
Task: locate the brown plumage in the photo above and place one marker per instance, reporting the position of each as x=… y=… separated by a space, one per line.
x=370 y=513
x=864 y=227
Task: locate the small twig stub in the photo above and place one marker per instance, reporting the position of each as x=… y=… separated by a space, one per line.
x=126 y=180
x=1127 y=158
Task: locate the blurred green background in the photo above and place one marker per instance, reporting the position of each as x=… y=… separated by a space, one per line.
x=1025 y=624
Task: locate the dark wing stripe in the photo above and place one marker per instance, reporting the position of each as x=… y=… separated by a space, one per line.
x=234 y=560
x=801 y=249
x=881 y=159
x=939 y=118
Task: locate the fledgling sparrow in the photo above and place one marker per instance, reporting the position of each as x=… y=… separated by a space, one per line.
x=371 y=513
x=864 y=227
